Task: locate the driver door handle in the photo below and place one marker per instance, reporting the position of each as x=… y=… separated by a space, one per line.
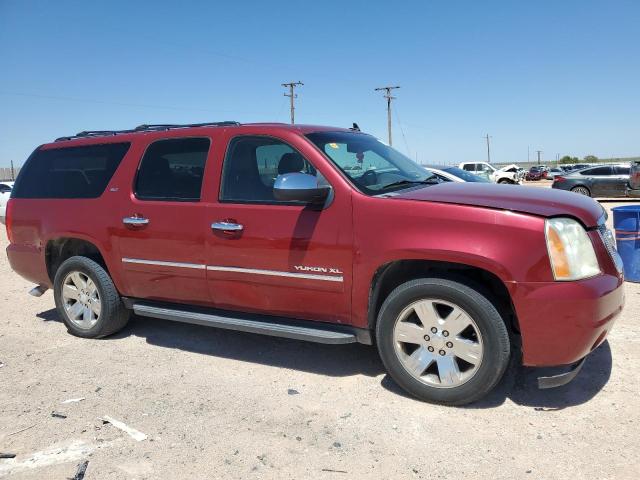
x=135 y=221
x=227 y=226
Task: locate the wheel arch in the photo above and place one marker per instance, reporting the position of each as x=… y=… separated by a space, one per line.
x=59 y=248
x=392 y=274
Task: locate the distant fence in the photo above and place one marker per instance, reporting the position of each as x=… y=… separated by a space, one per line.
x=7 y=174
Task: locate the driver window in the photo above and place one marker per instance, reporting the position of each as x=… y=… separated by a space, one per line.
x=252 y=165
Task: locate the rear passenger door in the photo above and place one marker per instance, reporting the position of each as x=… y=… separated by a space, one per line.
x=601 y=180
x=622 y=174
x=161 y=237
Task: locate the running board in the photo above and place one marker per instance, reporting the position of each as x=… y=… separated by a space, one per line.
x=318 y=332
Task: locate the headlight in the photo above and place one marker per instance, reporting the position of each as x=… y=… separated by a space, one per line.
x=570 y=250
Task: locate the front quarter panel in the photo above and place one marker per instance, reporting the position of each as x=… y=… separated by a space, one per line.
x=510 y=245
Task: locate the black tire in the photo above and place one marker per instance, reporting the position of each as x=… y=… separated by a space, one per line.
x=113 y=314
x=494 y=334
x=504 y=180
x=581 y=190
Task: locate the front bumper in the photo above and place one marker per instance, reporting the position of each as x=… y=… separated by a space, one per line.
x=562 y=322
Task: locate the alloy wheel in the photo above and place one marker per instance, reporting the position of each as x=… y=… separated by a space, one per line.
x=438 y=343
x=581 y=191
x=81 y=300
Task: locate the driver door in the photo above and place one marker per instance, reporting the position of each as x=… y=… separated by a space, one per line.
x=276 y=257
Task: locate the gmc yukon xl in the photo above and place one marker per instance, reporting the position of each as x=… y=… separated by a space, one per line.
x=320 y=234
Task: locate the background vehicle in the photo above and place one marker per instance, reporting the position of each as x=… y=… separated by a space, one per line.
x=534 y=173
x=454 y=174
x=268 y=228
x=508 y=174
x=634 y=180
x=600 y=181
x=5 y=193
x=552 y=172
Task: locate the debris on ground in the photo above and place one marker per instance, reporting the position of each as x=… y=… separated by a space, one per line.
x=7 y=455
x=21 y=430
x=2 y=364
x=82 y=469
x=334 y=471
x=73 y=400
x=137 y=435
x=58 y=415
x=292 y=391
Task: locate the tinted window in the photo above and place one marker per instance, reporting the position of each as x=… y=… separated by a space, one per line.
x=469 y=167
x=4 y=188
x=623 y=170
x=597 y=171
x=172 y=170
x=72 y=172
x=252 y=165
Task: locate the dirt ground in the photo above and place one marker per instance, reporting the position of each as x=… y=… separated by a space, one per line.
x=220 y=404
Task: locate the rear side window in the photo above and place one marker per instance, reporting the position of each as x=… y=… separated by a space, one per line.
x=172 y=170
x=598 y=171
x=623 y=170
x=72 y=172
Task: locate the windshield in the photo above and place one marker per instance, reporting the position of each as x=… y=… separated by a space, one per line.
x=466 y=176
x=372 y=166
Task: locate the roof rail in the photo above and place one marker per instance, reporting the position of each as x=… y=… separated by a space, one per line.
x=145 y=128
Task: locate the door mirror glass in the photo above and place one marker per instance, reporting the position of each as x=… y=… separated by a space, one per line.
x=300 y=187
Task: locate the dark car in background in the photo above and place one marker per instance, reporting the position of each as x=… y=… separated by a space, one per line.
x=598 y=181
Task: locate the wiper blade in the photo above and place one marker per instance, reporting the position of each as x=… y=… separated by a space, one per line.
x=400 y=183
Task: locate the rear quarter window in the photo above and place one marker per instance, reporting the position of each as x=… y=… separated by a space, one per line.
x=71 y=172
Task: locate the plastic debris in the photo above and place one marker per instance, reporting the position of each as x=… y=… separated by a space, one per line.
x=137 y=435
x=82 y=469
x=73 y=400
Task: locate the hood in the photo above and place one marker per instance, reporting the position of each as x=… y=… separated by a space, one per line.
x=504 y=169
x=544 y=202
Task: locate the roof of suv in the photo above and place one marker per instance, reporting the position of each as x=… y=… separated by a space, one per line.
x=157 y=128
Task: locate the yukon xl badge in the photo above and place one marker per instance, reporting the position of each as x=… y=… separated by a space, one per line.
x=304 y=268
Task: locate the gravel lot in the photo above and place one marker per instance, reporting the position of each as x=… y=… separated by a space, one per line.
x=220 y=404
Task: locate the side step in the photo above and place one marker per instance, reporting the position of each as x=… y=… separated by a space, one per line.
x=318 y=332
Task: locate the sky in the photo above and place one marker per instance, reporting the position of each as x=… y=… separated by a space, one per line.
x=562 y=77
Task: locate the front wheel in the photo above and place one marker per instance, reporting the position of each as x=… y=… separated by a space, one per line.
x=442 y=341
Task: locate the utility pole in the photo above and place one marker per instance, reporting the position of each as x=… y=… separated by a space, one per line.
x=538 y=152
x=292 y=96
x=13 y=174
x=528 y=160
x=488 y=148
x=389 y=97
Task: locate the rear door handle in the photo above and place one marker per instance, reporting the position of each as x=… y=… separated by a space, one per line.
x=226 y=226
x=135 y=221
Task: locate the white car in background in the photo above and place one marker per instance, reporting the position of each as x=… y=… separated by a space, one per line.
x=447 y=173
x=5 y=193
x=509 y=174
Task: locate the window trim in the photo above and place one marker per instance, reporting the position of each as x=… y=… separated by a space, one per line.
x=171 y=199
x=260 y=202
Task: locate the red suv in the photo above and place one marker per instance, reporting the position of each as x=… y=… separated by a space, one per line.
x=320 y=234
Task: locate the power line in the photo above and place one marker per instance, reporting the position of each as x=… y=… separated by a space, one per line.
x=389 y=97
x=292 y=96
x=406 y=144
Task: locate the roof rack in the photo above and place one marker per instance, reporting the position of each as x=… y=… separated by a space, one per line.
x=145 y=128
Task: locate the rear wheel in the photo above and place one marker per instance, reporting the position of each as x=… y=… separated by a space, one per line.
x=503 y=181
x=442 y=341
x=581 y=190
x=87 y=299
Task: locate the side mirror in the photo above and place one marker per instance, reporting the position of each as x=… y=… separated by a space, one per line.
x=300 y=187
